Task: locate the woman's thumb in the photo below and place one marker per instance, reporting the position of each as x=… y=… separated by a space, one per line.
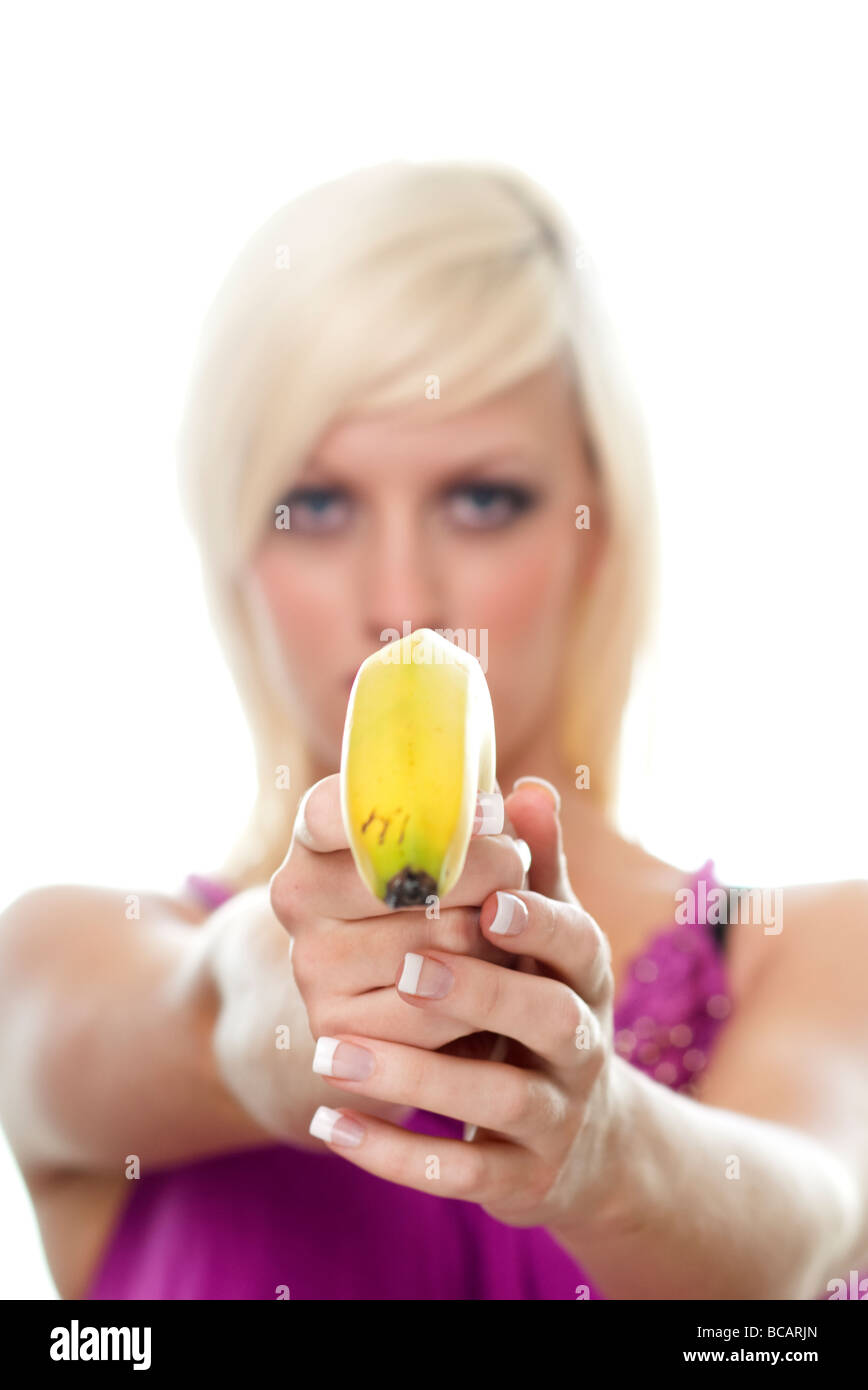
x=533 y=808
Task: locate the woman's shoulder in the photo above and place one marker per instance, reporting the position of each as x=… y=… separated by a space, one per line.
x=796 y=924
x=841 y=896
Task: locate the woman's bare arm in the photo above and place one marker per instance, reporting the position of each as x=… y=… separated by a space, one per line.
x=758 y=1187
x=108 y=1023
x=105 y=1035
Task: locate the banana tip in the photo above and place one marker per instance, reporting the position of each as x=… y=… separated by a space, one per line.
x=409 y=888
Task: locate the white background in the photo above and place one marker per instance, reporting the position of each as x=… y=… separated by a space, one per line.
x=713 y=158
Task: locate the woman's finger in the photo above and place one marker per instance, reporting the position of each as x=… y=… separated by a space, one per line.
x=560 y=935
x=545 y=1015
x=301 y=891
x=319 y=824
x=516 y=1102
x=361 y=956
x=493 y=861
x=383 y=1014
x=487 y=1173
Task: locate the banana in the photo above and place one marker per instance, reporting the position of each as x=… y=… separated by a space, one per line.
x=418 y=742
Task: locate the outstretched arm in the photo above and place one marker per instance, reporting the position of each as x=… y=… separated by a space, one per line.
x=758 y=1188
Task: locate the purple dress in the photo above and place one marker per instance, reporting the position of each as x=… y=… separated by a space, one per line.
x=259 y=1222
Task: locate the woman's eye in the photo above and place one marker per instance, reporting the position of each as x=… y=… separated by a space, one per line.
x=317 y=509
x=487 y=505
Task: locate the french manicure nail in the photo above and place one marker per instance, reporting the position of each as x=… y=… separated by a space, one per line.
x=524 y=850
x=335 y=1128
x=540 y=782
x=299 y=830
x=511 y=916
x=427 y=978
x=489 y=814
x=342 y=1059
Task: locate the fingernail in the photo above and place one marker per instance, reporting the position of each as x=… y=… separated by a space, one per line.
x=540 y=782
x=427 y=978
x=346 y=1060
x=335 y=1128
x=489 y=814
x=299 y=830
x=511 y=916
x=524 y=850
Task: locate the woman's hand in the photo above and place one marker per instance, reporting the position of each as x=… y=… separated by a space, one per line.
x=347 y=946
x=549 y=1116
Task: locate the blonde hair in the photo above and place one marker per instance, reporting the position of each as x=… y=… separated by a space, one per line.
x=345 y=301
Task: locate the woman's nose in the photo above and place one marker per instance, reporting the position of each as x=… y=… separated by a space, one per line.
x=401 y=581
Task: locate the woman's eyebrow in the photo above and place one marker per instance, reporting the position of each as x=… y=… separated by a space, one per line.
x=491 y=458
x=311 y=463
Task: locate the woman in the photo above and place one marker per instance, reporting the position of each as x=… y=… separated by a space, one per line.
x=407 y=411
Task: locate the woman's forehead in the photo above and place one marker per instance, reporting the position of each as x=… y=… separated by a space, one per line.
x=514 y=426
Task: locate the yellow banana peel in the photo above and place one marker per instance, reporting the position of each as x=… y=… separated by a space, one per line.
x=418 y=744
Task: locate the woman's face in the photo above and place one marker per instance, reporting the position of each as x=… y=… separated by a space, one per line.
x=465 y=522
